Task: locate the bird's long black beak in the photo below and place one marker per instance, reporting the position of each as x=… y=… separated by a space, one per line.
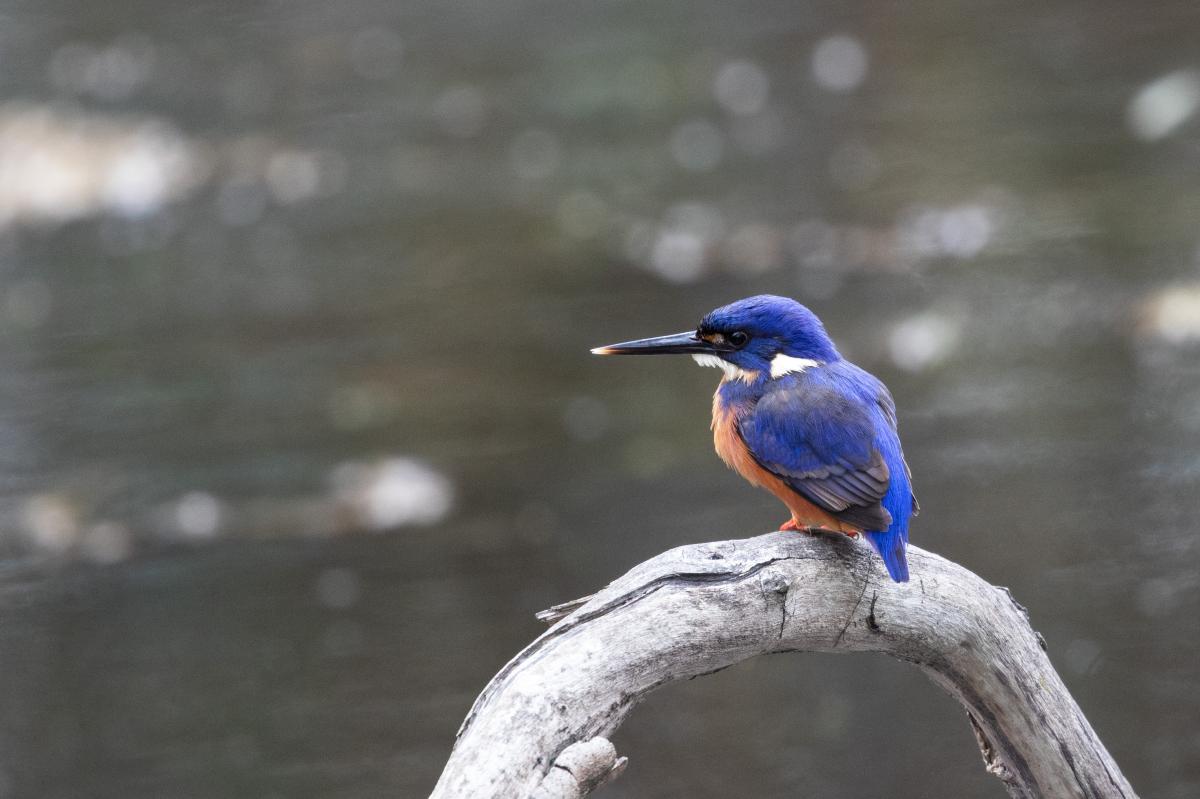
x=662 y=345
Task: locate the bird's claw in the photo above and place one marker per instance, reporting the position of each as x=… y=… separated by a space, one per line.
x=808 y=529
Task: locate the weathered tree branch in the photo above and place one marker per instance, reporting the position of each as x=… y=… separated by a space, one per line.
x=697 y=609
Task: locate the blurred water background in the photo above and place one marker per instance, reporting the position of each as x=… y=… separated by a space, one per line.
x=298 y=426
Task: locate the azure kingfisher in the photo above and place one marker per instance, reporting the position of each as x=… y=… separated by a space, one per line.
x=793 y=416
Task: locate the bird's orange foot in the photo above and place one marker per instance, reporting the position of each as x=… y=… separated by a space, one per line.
x=791 y=524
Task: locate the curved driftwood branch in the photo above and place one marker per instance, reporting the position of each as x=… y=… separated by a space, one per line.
x=697 y=609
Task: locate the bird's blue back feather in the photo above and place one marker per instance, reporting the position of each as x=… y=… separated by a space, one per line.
x=892 y=543
x=890 y=546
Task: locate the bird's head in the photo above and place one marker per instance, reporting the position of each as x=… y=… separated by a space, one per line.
x=752 y=338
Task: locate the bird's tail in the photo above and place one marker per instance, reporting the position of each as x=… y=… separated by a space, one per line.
x=890 y=546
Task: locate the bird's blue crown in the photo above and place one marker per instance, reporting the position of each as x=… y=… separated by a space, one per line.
x=764 y=326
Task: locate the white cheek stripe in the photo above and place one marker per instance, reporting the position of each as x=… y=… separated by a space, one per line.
x=732 y=371
x=785 y=364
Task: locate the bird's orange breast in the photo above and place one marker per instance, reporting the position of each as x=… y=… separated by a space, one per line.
x=737 y=456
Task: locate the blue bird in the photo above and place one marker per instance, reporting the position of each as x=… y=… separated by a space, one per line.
x=794 y=417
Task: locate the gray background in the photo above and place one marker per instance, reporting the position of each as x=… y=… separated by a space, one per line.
x=298 y=426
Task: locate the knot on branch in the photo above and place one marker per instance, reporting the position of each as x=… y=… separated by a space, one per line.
x=580 y=769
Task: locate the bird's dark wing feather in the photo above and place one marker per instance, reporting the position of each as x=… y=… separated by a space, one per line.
x=822 y=445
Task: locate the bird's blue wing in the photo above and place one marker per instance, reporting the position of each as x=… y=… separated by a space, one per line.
x=888 y=406
x=821 y=441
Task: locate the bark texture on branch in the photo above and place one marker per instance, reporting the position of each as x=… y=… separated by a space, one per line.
x=700 y=608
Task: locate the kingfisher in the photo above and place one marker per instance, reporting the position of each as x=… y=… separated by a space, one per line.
x=793 y=416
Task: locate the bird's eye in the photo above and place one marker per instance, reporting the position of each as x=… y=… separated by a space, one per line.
x=738 y=339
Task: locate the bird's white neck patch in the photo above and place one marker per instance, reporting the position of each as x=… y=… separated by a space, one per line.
x=785 y=364
x=732 y=371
